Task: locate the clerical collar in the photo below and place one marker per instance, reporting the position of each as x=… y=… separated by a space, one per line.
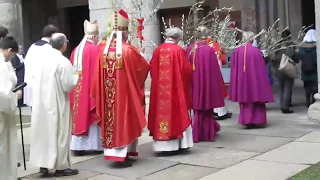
x=169 y=41
x=89 y=40
x=45 y=39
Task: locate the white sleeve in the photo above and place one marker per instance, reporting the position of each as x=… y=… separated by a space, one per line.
x=68 y=76
x=8 y=99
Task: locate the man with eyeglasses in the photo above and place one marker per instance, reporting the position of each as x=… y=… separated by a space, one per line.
x=51 y=115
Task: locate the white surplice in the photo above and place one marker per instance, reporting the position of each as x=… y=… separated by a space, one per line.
x=35 y=55
x=221 y=111
x=176 y=144
x=51 y=117
x=8 y=130
x=92 y=142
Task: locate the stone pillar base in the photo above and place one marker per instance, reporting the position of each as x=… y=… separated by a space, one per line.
x=314 y=109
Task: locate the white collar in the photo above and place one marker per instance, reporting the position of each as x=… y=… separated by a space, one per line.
x=169 y=41
x=89 y=40
x=45 y=39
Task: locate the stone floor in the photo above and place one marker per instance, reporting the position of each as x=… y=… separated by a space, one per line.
x=287 y=146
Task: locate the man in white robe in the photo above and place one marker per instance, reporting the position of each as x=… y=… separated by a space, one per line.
x=35 y=55
x=8 y=104
x=85 y=131
x=51 y=117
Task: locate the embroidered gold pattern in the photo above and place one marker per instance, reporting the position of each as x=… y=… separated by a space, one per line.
x=76 y=98
x=164 y=127
x=164 y=95
x=110 y=91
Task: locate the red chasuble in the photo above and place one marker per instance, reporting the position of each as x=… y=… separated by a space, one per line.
x=170 y=96
x=119 y=95
x=80 y=100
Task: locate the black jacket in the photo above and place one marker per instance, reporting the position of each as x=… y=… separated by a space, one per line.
x=19 y=69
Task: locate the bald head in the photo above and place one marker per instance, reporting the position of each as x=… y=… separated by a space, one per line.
x=59 y=41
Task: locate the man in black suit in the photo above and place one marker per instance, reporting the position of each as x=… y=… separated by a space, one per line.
x=18 y=65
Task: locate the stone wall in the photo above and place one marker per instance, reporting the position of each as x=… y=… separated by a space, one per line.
x=10 y=17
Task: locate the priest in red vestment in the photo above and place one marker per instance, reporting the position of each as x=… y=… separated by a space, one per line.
x=118 y=90
x=85 y=132
x=221 y=113
x=170 y=97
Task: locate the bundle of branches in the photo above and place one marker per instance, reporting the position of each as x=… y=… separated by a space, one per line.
x=216 y=24
x=271 y=40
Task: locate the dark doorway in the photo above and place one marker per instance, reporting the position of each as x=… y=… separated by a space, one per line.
x=75 y=17
x=308 y=12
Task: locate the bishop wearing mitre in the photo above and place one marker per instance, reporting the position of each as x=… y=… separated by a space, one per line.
x=85 y=132
x=118 y=90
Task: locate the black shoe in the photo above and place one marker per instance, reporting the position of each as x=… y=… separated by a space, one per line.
x=250 y=126
x=124 y=164
x=224 y=117
x=66 y=172
x=287 y=111
x=79 y=153
x=44 y=172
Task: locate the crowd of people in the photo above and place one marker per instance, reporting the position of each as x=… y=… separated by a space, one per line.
x=96 y=100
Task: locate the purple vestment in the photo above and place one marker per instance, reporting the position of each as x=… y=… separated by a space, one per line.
x=249 y=84
x=207 y=91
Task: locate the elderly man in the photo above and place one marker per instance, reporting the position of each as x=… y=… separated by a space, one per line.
x=36 y=54
x=249 y=84
x=8 y=104
x=118 y=88
x=207 y=87
x=51 y=117
x=170 y=99
x=86 y=133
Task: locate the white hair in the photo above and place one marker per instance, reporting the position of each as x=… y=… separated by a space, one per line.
x=248 y=36
x=58 y=40
x=202 y=32
x=174 y=33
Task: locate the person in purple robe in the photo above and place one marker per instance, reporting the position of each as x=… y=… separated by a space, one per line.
x=249 y=84
x=207 y=88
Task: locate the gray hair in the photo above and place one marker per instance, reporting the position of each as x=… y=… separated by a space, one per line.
x=20 y=47
x=248 y=36
x=174 y=33
x=202 y=32
x=58 y=40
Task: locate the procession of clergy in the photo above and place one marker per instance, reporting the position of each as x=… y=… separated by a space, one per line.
x=98 y=96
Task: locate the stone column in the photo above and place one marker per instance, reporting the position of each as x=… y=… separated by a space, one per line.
x=314 y=109
x=102 y=11
x=10 y=17
x=249 y=15
x=282 y=13
x=272 y=11
x=151 y=30
x=263 y=14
